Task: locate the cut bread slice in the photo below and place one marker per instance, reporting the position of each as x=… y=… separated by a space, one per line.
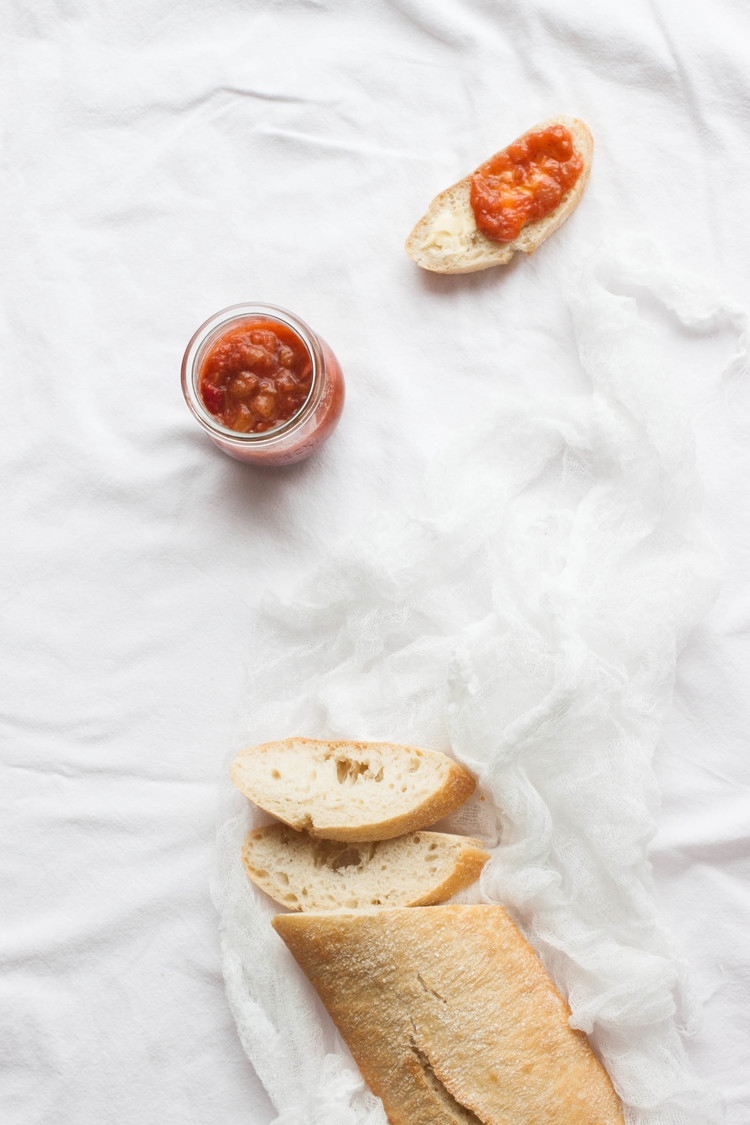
x=451 y=1017
x=446 y=239
x=351 y=790
x=305 y=873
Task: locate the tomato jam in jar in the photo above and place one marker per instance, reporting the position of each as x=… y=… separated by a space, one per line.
x=264 y=386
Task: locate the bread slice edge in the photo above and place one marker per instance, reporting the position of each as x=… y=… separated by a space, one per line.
x=305 y=873
x=314 y=813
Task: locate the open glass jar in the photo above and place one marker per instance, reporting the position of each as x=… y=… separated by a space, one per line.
x=262 y=384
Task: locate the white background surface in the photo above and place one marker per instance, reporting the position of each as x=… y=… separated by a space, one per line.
x=160 y=161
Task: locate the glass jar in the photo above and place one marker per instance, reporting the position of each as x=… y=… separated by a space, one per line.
x=289 y=439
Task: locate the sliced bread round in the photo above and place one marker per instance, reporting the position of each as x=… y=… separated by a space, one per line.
x=351 y=790
x=305 y=873
x=446 y=239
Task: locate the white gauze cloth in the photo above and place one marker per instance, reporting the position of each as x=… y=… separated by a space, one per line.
x=524 y=613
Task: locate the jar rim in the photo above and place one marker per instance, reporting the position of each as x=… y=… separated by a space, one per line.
x=207 y=333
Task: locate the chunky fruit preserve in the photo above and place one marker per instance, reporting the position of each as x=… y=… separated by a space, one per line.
x=256 y=376
x=524 y=182
x=265 y=387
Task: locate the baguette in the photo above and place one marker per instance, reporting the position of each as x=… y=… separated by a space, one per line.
x=304 y=873
x=351 y=791
x=446 y=239
x=451 y=1017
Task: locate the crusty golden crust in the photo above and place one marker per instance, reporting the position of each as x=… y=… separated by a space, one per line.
x=467 y=870
x=461 y=247
x=451 y=1017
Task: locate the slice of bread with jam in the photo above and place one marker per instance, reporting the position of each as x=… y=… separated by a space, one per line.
x=448 y=239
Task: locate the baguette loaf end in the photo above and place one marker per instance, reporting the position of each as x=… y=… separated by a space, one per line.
x=451 y=1016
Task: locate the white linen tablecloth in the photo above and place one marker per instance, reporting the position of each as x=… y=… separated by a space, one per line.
x=160 y=161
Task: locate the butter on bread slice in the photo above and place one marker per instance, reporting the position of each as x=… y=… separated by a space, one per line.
x=451 y=1017
x=447 y=240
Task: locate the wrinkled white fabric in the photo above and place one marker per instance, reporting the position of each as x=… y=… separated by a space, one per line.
x=526 y=615
x=160 y=160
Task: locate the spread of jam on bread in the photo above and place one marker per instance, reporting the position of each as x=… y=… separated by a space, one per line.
x=524 y=182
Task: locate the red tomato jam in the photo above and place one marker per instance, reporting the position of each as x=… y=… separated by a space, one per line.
x=265 y=388
x=256 y=376
x=524 y=182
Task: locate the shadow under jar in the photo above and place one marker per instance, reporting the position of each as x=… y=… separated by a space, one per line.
x=265 y=387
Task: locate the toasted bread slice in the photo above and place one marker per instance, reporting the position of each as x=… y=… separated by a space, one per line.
x=447 y=240
x=351 y=790
x=305 y=873
x=451 y=1017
